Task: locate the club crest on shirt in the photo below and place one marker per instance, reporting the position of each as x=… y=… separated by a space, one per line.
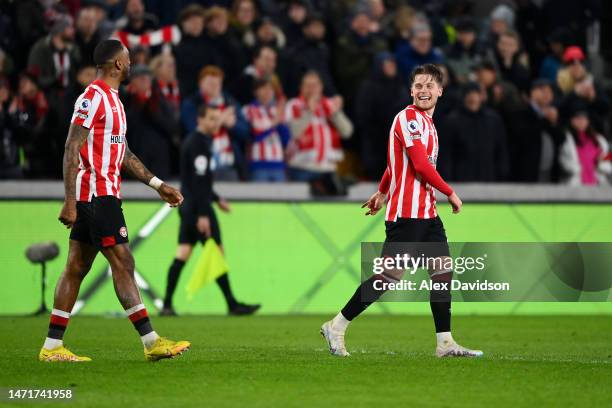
x=413 y=126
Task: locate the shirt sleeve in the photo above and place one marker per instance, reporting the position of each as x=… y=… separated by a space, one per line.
x=87 y=109
x=408 y=128
x=383 y=187
x=420 y=161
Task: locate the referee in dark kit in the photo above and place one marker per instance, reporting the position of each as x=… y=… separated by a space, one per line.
x=198 y=219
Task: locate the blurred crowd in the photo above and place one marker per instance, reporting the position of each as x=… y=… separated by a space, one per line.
x=308 y=88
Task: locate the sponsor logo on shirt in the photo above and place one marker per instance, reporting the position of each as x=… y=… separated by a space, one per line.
x=116 y=139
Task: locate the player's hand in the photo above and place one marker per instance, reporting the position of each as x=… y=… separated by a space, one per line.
x=170 y=195
x=374 y=203
x=68 y=214
x=455 y=202
x=224 y=205
x=203 y=226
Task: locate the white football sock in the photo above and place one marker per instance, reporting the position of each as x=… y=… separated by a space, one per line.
x=340 y=323
x=444 y=338
x=149 y=338
x=51 y=344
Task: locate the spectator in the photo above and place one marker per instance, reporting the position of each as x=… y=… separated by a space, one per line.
x=378 y=100
x=194 y=51
x=535 y=136
x=354 y=55
x=573 y=71
x=418 y=51
x=244 y=14
x=54 y=58
x=228 y=143
x=501 y=20
x=230 y=52
x=136 y=20
x=164 y=71
x=30 y=27
x=269 y=133
x=312 y=53
x=87 y=35
x=10 y=167
x=463 y=55
x=140 y=55
x=382 y=19
x=150 y=122
x=512 y=63
x=499 y=95
x=584 y=151
x=592 y=96
x=553 y=60
x=28 y=115
x=293 y=21
x=317 y=124
x=263 y=67
x=266 y=33
x=584 y=89
x=99 y=9
x=473 y=141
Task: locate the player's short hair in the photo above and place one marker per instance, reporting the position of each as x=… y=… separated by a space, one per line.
x=210 y=70
x=428 y=69
x=106 y=51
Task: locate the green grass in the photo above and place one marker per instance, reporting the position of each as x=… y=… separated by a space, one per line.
x=282 y=361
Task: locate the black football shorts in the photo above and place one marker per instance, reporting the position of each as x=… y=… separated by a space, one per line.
x=188 y=231
x=100 y=223
x=416 y=236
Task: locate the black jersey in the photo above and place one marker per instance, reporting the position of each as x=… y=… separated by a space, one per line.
x=196 y=175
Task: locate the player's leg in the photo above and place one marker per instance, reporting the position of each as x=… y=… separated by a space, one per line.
x=401 y=231
x=441 y=274
x=80 y=258
x=109 y=233
x=183 y=253
x=122 y=265
x=234 y=307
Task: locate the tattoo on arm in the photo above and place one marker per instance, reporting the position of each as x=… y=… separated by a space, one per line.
x=76 y=137
x=135 y=168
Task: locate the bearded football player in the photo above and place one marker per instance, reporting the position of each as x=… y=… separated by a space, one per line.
x=96 y=152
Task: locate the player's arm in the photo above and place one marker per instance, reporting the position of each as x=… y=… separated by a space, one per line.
x=139 y=171
x=428 y=173
x=77 y=135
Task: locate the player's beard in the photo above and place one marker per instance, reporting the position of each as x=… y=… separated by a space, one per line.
x=125 y=74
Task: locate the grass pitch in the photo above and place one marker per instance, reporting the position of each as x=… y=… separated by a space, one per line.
x=273 y=361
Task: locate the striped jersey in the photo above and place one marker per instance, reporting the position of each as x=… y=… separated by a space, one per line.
x=267 y=145
x=319 y=146
x=409 y=196
x=100 y=110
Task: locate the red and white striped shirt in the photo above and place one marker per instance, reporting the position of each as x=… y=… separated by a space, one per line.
x=410 y=174
x=100 y=110
x=261 y=120
x=318 y=148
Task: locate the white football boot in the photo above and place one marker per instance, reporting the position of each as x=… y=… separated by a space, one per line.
x=335 y=340
x=452 y=349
